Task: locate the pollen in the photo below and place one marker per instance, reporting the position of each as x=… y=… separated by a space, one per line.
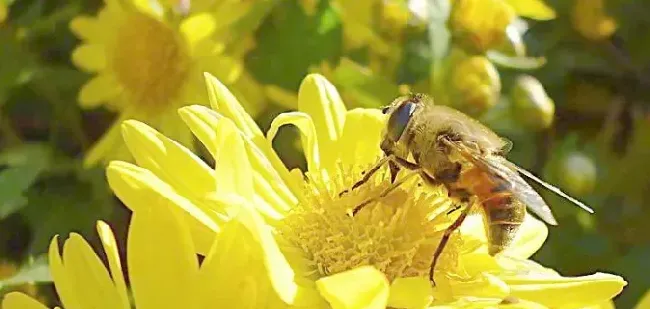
x=150 y=60
x=398 y=233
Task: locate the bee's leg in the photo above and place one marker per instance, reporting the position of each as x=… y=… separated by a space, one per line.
x=386 y=191
x=445 y=239
x=394 y=170
x=367 y=174
x=451 y=211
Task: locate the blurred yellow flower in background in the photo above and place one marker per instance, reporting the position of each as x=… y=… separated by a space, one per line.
x=147 y=58
x=311 y=251
x=644 y=302
x=163 y=268
x=483 y=23
x=591 y=20
x=3 y=12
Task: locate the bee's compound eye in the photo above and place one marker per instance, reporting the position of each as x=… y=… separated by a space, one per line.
x=399 y=119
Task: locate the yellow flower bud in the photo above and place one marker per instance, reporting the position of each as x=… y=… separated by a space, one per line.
x=531 y=105
x=591 y=21
x=475 y=85
x=3 y=12
x=394 y=18
x=578 y=173
x=481 y=24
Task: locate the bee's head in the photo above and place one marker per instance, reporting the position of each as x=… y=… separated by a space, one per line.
x=399 y=112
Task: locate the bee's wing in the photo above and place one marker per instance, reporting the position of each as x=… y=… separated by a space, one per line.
x=500 y=167
x=546 y=185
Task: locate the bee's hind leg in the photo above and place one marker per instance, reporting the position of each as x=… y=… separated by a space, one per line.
x=445 y=239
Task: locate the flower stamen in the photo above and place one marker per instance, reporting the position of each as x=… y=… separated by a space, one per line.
x=398 y=233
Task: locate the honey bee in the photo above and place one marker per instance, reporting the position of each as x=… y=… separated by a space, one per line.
x=446 y=147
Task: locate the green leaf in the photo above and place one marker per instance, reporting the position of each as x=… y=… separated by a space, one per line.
x=515 y=62
x=34 y=271
x=67 y=202
x=289 y=42
x=17 y=63
x=23 y=165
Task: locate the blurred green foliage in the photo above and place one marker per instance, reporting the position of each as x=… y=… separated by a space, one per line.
x=571 y=92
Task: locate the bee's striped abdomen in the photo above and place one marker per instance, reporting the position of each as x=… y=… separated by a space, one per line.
x=504 y=214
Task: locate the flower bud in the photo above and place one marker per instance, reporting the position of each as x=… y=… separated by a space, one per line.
x=475 y=85
x=481 y=24
x=578 y=173
x=591 y=21
x=3 y=12
x=531 y=105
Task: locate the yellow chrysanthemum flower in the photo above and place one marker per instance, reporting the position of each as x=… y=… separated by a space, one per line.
x=317 y=255
x=483 y=23
x=148 y=57
x=590 y=19
x=163 y=268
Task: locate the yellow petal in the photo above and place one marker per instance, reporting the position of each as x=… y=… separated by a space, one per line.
x=17 y=300
x=522 y=304
x=223 y=101
x=94 y=286
x=197 y=27
x=203 y=122
x=87 y=28
x=565 y=292
x=535 y=9
x=363 y=287
x=89 y=57
x=162 y=261
x=531 y=236
x=99 y=89
x=233 y=274
x=138 y=188
x=170 y=161
x=256 y=243
x=233 y=170
x=484 y=285
x=318 y=98
x=305 y=124
x=64 y=284
x=359 y=142
x=110 y=248
x=109 y=147
x=605 y=305
x=414 y=292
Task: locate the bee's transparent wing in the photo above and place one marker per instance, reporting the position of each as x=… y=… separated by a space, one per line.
x=501 y=168
x=548 y=186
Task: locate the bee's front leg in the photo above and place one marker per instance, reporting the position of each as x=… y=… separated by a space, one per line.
x=392 y=187
x=367 y=174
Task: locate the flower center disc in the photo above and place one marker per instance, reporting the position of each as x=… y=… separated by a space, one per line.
x=398 y=234
x=150 y=61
